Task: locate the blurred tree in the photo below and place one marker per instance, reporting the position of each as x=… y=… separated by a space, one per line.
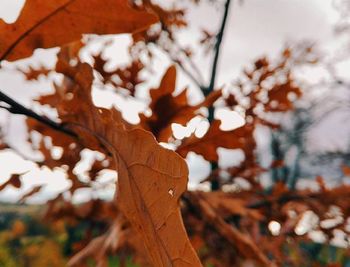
x=238 y=221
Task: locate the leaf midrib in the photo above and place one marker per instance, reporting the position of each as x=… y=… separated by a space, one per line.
x=31 y=29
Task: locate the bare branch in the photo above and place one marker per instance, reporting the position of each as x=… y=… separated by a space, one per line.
x=16 y=108
x=219 y=38
x=210 y=88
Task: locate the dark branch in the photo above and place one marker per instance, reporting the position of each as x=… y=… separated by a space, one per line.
x=210 y=88
x=280 y=200
x=16 y=108
x=217 y=48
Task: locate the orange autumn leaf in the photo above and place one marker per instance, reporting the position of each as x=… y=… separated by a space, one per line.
x=167 y=108
x=69 y=19
x=150 y=180
x=214 y=138
x=128 y=76
x=33 y=73
x=18 y=228
x=346 y=170
x=279 y=97
x=14 y=180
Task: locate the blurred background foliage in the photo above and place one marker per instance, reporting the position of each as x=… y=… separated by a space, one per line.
x=25 y=240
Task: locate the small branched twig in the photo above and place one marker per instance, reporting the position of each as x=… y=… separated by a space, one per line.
x=16 y=108
x=190 y=62
x=182 y=67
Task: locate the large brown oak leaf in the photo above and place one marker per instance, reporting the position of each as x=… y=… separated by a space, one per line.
x=151 y=178
x=51 y=23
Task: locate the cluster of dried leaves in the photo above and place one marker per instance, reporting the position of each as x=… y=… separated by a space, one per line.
x=152 y=217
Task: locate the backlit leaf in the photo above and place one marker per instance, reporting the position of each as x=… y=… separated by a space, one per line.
x=50 y=23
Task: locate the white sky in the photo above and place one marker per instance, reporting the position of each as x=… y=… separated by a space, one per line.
x=255 y=28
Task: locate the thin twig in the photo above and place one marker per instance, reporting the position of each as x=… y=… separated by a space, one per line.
x=16 y=108
x=190 y=61
x=182 y=67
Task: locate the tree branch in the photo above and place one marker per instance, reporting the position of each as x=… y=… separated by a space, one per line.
x=210 y=88
x=281 y=200
x=16 y=108
x=217 y=48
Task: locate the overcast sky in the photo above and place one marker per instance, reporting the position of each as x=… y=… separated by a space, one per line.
x=255 y=28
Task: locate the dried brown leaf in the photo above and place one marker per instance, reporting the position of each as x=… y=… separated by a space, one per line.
x=50 y=23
